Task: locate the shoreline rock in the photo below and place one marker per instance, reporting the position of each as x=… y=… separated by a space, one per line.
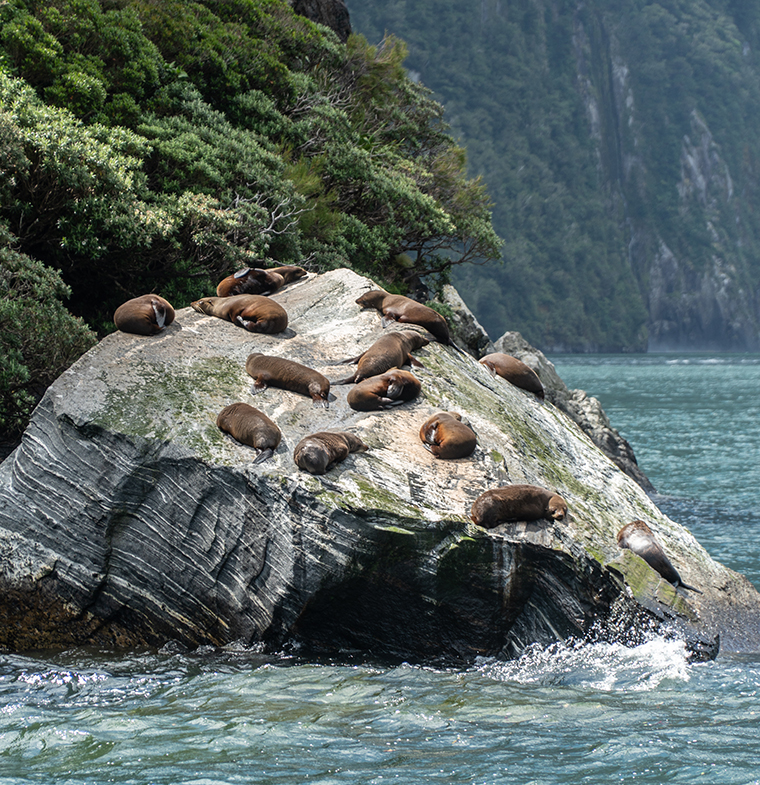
x=127 y=518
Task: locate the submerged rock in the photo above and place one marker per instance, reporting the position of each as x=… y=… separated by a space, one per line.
x=128 y=518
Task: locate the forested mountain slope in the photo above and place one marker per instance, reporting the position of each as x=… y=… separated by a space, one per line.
x=620 y=142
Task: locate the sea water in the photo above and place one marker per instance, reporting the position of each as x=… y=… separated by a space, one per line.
x=569 y=713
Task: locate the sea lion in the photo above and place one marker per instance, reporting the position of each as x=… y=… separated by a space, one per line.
x=397 y=308
x=257 y=280
x=517 y=503
x=319 y=451
x=640 y=539
x=389 y=351
x=254 y=312
x=381 y=392
x=250 y=426
x=145 y=315
x=446 y=436
x=514 y=371
x=267 y=371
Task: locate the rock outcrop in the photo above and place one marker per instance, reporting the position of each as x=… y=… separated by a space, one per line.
x=584 y=410
x=128 y=518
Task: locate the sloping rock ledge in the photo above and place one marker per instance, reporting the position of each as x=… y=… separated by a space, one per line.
x=127 y=518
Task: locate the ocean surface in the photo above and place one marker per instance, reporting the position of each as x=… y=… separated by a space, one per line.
x=571 y=713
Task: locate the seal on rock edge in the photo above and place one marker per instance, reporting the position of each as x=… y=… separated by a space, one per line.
x=514 y=371
x=517 y=503
x=257 y=280
x=254 y=312
x=389 y=351
x=144 y=315
x=381 y=392
x=397 y=308
x=446 y=436
x=639 y=538
x=250 y=426
x=268 y=370
x=320 y=451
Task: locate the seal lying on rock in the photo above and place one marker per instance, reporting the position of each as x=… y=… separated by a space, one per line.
x=381 y=392
x=145 y=315
x=257 y=280
x=269 y=371
x=254 y=312
x=389 y=351
x=397 y=308
x=319 y=451
x=446 y=436
x=514 y=371
x=517 y=503
x=250 y=426
x=639 y=538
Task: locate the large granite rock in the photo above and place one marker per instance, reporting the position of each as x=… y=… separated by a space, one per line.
x=128 y=518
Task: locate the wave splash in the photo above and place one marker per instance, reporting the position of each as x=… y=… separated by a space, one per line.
x=607 y=667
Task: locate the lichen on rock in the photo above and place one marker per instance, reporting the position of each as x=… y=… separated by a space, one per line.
x=127 y=517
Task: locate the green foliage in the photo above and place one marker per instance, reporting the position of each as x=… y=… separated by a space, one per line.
x=148 y=145
x=39 y=338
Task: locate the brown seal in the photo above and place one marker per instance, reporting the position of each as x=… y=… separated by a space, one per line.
x=446 y=436
x=517 y=503
x=257 y=280
x=250 y=426
x=267 y=371
x=397 y=308
x=389 y=351
x=381 y=392
x=319 y=451
x=640 y=539
x=254 y=312
x=514 y=371
x=145 y=315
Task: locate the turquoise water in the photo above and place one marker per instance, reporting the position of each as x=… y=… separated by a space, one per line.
x=568 y=714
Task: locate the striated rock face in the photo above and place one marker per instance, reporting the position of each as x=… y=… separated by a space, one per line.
x=127 y=517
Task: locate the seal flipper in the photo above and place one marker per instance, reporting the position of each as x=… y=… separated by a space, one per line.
x=264 y=455
x=347 y=380
x=414 y=362
x=683 y=585
x=260 y=383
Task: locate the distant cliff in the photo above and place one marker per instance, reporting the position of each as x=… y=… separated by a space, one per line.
x=621 y=146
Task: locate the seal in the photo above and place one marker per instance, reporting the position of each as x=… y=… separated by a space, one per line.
x=257 y=280
x=397 y=308
x=145 y=315
x=254 y=312
x=514 y=371
x=320 y=451
x=381 y=392
x=269 y=371
x=517 y=503
x=389 y=351
x=250 y=426
x=446 y=436
x=639 y=538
